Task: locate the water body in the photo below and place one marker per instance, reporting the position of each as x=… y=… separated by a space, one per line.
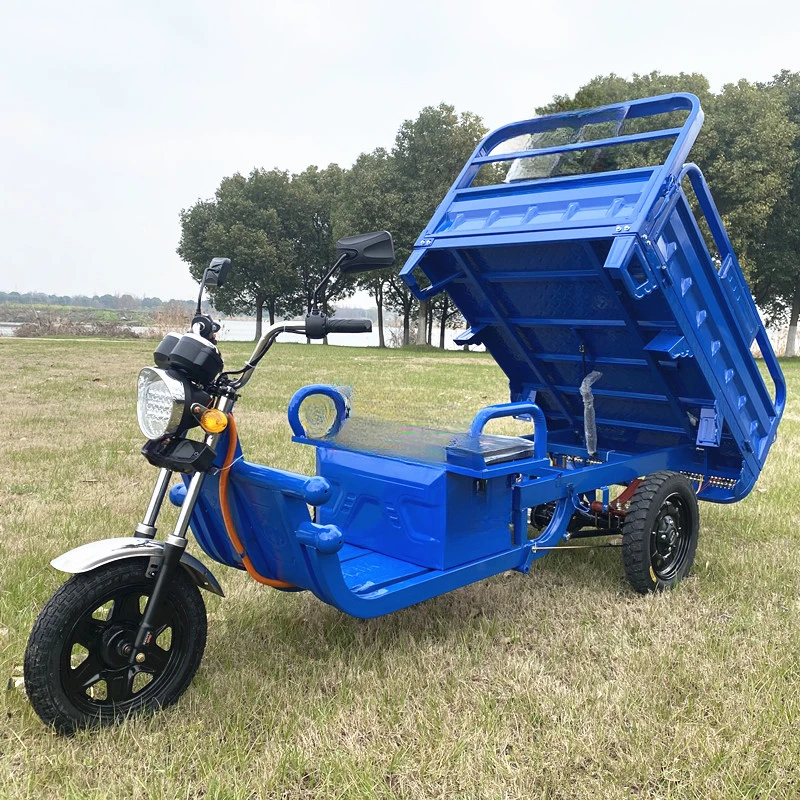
x=243 y=330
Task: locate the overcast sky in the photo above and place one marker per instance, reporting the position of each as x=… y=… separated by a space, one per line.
x=114 y=116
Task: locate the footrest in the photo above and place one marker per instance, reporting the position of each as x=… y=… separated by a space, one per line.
x=367 y=571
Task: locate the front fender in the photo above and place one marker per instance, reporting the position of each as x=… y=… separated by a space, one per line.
x=95 y=554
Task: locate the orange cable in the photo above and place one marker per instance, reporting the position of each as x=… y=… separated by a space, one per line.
x=226 y=513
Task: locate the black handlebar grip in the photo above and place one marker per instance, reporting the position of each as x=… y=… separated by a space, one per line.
x=348 y=325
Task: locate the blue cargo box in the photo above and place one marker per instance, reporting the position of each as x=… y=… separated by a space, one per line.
x=572 y=265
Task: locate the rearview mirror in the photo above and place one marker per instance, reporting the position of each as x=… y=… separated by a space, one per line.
x=217 y=272
x=365 y=252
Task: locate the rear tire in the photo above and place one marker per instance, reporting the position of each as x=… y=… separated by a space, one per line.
x=76 y=672
x=660 y=532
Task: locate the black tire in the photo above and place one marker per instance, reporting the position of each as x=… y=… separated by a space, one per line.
x=102 y=688
x=660 y=532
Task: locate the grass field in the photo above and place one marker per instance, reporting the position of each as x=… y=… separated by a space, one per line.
x=559 y=684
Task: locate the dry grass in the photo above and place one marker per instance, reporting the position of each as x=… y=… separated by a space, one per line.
x=561 y=684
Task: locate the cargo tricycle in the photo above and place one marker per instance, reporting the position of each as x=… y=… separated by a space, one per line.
x=611 y=298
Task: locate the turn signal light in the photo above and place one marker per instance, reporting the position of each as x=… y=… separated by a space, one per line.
x=213 y=421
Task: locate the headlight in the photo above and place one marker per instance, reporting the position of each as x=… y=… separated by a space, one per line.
x=161 y=403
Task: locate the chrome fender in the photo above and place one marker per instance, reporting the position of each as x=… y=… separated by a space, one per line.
x=95 y=554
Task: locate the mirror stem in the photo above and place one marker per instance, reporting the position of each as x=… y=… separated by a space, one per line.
x=200 y=294
x=318 y=291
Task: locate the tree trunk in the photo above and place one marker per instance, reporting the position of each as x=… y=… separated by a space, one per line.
x=309 y=306
x=271 y=307
x=379 y=304
x=406 y=326
x=429 y=324
x=259 y=317
x=791 y=340
x=443 y=321
x=324 y=307
x=422 y=322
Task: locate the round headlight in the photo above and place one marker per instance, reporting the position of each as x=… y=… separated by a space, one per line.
x=161 y=403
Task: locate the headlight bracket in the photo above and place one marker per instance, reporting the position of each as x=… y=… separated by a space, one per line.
x=179 y=454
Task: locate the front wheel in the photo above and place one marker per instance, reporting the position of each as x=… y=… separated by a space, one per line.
x=77 y=670
x=660 y=532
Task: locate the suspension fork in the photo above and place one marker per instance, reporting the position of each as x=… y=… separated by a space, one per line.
x=175 y=544
x=146 y=529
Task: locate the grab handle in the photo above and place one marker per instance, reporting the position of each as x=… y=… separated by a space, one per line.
x=339 y=403
x=514 y=410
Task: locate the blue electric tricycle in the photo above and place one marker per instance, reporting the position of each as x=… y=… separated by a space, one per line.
x=611 y=298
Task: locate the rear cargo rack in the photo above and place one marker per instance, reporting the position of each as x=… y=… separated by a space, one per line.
x=559 y=275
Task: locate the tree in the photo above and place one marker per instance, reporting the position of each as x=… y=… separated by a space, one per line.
x=368 y=201
x=314 y=194
x=399 y=191
x=429 y=153
x=447 y=315
x=776 y=283
x=748 y=162
x=246 y=222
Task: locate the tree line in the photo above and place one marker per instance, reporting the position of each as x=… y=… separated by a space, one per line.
x=280 y=228
x=115 y=302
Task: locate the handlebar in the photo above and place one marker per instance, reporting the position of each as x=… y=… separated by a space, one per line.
x=348 y=325
x=315 y=326
x=318 y=326
x=264 y=344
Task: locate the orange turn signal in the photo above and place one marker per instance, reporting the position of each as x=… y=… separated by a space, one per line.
x=213 y=421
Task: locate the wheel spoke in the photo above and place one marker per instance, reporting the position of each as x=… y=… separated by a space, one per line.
x=670 y=509
x=86 y=674
x=120 y=684
x=162 y=620
x=87 y=631
x=155 y=659
x=126 y=607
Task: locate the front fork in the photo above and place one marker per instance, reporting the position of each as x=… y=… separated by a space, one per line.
x=146 y=529
x=176 y=542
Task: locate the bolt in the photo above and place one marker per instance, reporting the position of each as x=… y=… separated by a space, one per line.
x=627 y=227
x=140 y=658
x=619 y=228
x=127 y=649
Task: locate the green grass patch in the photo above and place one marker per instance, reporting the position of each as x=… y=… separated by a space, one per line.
x=559 y=684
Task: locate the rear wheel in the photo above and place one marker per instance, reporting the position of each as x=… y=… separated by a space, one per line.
x=77 y=664
x=660 y=532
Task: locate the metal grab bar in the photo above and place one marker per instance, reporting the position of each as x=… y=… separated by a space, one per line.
x=515 y=410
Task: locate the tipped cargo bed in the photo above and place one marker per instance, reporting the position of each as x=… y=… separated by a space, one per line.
x=562 y=275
